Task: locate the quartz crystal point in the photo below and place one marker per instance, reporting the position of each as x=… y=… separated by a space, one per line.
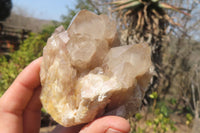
x=83 y=76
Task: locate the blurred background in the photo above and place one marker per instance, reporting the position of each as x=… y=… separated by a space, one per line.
x=171 y=28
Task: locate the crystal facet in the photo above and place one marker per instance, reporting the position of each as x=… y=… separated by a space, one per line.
x=83 y=76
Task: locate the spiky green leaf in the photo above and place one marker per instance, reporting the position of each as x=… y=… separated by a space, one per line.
x=168 y=6
x=122 y=2
x=129 y=5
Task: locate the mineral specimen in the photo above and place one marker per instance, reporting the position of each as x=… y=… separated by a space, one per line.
x=83 y=76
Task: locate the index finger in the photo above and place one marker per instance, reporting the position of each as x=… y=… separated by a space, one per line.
x=20 y=92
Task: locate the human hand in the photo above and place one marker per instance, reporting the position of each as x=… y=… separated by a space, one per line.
x=20 y=108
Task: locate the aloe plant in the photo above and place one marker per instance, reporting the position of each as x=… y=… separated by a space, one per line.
x=146 y=21
x=147 y=18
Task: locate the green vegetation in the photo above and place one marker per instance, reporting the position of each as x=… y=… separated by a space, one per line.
x=158 y=120
x=29 y=50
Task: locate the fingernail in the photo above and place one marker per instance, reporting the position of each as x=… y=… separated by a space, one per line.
x=110 y=130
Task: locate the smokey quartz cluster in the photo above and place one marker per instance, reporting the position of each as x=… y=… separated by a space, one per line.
x=85 y=74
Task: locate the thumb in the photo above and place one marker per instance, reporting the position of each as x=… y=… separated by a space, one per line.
x=107 y=124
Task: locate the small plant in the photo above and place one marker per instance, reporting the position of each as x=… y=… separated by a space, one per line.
x=135 y=128
x=158 y=121
x=189 y=119
x=173 y=101
x=154 y=96
x=138 y=116
x=162 y=122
